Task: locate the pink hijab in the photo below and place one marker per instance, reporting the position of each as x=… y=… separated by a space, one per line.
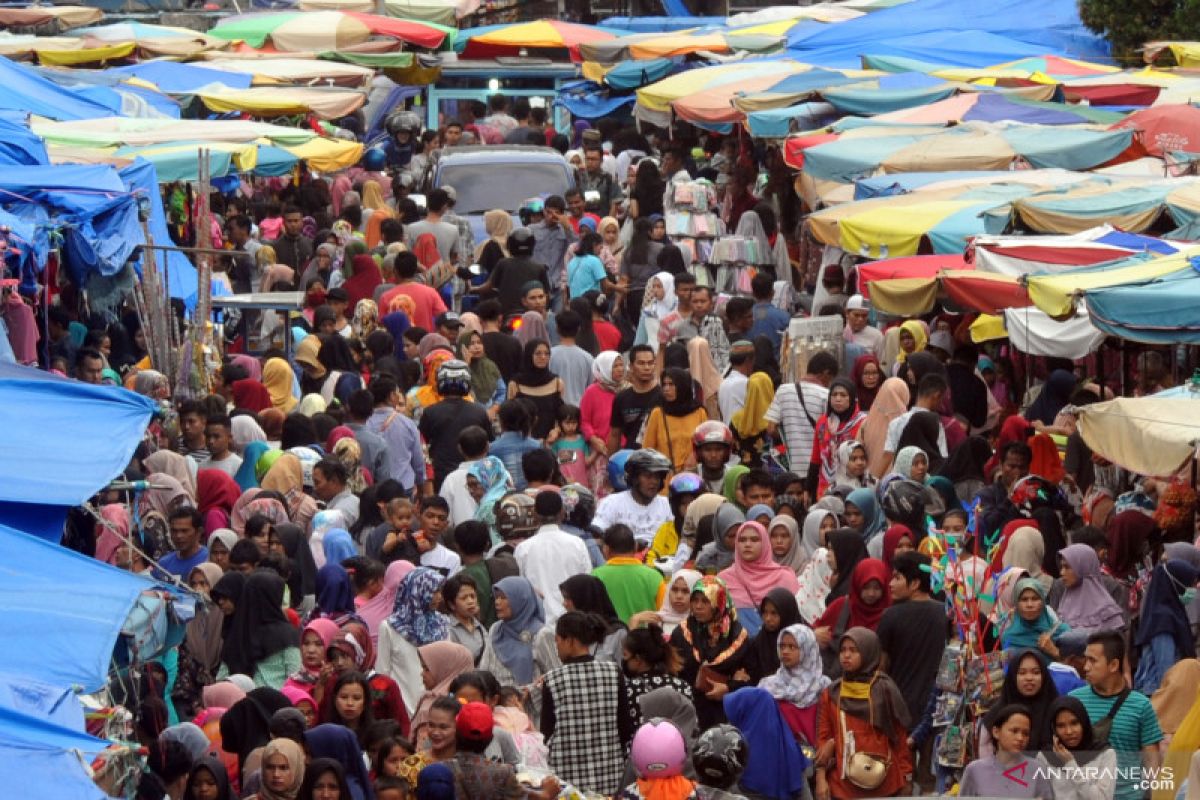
x=378 y=608
x=749 y=582
x=109 y=541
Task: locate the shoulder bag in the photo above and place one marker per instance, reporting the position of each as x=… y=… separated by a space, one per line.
x=864 y=770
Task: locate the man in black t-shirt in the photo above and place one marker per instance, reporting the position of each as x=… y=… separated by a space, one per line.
x=632 y=405
x=442 y=422
x=502 y=348
x=510 y=275
x=913 y=631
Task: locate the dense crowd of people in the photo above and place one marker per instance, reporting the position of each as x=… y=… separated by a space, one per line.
x=561 y=527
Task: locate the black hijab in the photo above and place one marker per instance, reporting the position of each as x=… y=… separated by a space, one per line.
x=246 y=726
x=530 y=375
x=1087 y=749
x=259 y=628
x=298 y=431
x=967 y=461
x=1054 y=396
x=848 y=549
x=587 y=594
x=303 y=580
x=1040 y=720
x=213 y=766
x=229 y=586
x=923 y=430
x=766 y=643
x=586 y=338
x=685 y=401
x=851 y=410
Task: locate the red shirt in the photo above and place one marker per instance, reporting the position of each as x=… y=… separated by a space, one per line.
x=607 y=335
x=429 y=304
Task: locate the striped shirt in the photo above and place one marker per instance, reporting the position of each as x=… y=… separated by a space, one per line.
x=786 y=412
x=1135 y=726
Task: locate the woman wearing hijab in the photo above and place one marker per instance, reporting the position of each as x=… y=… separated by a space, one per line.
x=840 y=423
x=712 y=646
x=1028 y=682
x=363 y=278
x=864 y=702
x=322 y=775
x=670 y=426
x=748 y=423
x=208 y=779
x=862 y=606
x=282 y=771
x=1085 y=603
x=787 y=547
x=754 y=573
x=178 y=467
x=595 y=407
x=200 y=652
x=867 y=376
x=924 y=430
x=1032 y=623
x=913 y=336
x=850 y=467
x=279 y=379
x=375 y=610
x=1069 y=744
x=588 y=594
x=245 y=726
x=676 y=601
x=487 y=386
x=777 y=610
x=797 y=682
x=717 y=554
x=846 y=553
x=261 y=642
x=864 y=514
x=497 y=223
x=414 y=622
x=1026 y=550
x=705 y=375
x=890 y=402
x=335 y=745
x=1054 y=397
x=509 y=655
x=1164 y=635
x=216 y=495
x=659 y=301
x=246 y=429
x=422 y=397
x=775 y=766
x=286 y=476
x=251 y=395
x=441 y=663
x=302 y=584
x=537 y=384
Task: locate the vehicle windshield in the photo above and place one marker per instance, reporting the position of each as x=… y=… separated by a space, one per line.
x=482 y=187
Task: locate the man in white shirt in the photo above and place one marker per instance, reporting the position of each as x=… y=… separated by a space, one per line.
x=732 y=394
x=641 y=507
x=551 y=555
x=858 y=315
x=473 y=445
x=798 y=419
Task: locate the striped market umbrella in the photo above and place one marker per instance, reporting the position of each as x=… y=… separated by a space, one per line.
x=318 y=31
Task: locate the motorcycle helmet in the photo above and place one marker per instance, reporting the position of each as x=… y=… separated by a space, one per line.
x=520 y=242
x=529 y=209
x=904 y=502
x=515 y=516
x=712 y=432
x=404 y=122
x=658 y=750
x=616 y=469
x=579 y=504
x=719 y=756
x=374 y=160
x=646 y=460
x=684 y=485
x=454 y=378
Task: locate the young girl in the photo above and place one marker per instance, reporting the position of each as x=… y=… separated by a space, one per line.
x=388 y=758
x=574 y=455
x=990 y=777
x=351 y=705
x=798 y=682
x=912 y=463
x=660 y=300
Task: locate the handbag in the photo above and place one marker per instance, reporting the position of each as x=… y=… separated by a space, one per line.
x=1103 y=728
x=864 y=770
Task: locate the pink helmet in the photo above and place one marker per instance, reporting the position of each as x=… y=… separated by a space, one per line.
x=658 y=750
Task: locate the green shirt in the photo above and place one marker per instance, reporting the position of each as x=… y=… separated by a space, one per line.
x=631 y=585
x=478 y=572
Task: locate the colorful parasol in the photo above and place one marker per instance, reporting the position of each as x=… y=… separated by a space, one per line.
x=508 y=40
x=318 y=31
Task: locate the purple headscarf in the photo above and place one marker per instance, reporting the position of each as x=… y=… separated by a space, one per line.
x=1087 y=605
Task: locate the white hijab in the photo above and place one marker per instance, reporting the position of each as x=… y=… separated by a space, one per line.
x=660 y=308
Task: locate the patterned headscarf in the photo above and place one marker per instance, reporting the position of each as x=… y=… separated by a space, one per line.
x=413 y=616
x=1176 y=505
x=493 y=476
x=724 y=612
x=803 y=685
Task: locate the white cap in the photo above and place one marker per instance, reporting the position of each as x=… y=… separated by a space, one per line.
x=857 y=303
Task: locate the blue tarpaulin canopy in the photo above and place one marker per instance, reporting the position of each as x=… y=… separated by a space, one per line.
x=65 y=638
x=141 y=177
x=30 y=93
x=64 y=440
x=588 y=100
x=1161 y=311
x=40 y=759
x=172 y=77
x=19 y=145
x=953 y=32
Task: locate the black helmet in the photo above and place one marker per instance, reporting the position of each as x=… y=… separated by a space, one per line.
x=719 y=756
x=904 y=503
x=646 y=460
x=404 y=122
x=520 y=242
x=515 y=516
x=580 y=505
